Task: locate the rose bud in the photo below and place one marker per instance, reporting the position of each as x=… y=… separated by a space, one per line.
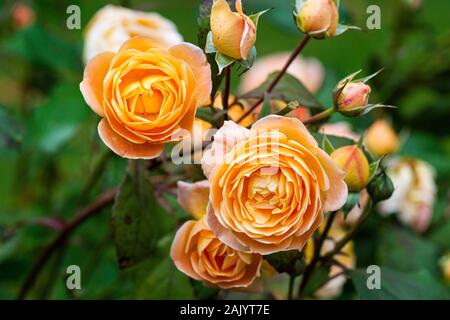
x=353 y=97
x=381 y=139
x=353 y=161
x=318 y=18
x=380 y=187
x=445 y=267
x=234 y=33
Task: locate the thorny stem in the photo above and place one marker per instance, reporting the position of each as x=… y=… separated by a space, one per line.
x=84 y=214
x=275 y=81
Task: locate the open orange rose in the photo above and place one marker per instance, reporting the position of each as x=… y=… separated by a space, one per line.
x=197 y=252
x=146 y=94
x=269 y=185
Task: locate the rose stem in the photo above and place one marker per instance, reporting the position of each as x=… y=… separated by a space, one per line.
x=310 y=268
x=291 y=286
x=275 y=81
x=84 y=214
x=351 y=234
x=226 y=92
x=320 y=116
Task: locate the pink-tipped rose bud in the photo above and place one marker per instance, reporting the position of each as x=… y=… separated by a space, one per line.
x=353 y=161
x=318 y=18
x=355 y=95
x=234 y=33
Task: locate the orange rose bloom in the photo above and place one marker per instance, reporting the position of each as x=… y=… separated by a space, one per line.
x=146 y=94
x=269 y=185
x=197 y=252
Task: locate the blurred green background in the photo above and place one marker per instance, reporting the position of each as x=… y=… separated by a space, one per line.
x=49 y=147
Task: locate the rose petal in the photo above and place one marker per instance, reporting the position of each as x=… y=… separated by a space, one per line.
x=178 y=249
x=92 y=85
x=193 y=197
x=139 y=43
x=248 y=37
x=293 y=128
x=125 y=148
x=227 y=28
x=223 y=234
x=196 y=59
x=224 y=140
x=335 y=197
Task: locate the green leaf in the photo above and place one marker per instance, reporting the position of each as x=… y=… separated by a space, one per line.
x=11 y=132
x=317 y=279
x=248 y=62
x=223 y=61
x=327 y=145
x=138 y=219
x=54 y=123
x=209 y=46
x=288 y=89
x=291 y=106
x=342 y=28
x=286 y=261
x=255 y=17
x=395 y=285
x=352 y=201
x=37 y=45
x=373 y=167
x=441 y=236
x=404 y=250
x=335 y=141
x=164 y=281
x=265 y=109
x=205 y=113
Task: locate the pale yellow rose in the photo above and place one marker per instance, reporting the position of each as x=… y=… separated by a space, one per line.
x=197 y=252
x=112 y=26
x=269 y=185
x=147 y=95
x=414 y=193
